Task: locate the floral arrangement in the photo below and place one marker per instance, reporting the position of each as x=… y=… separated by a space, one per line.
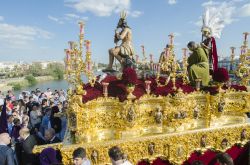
x=129 y=76
x=221 y=75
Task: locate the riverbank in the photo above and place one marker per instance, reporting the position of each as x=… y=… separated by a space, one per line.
x=8 y=84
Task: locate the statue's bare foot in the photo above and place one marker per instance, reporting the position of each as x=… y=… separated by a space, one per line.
x=109 y=69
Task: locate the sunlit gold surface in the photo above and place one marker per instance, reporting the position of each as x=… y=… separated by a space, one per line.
x=172 y=126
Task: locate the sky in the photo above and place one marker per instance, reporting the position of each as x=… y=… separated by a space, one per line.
x=40 y=30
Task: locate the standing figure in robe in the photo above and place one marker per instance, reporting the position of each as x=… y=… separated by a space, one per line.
x=213 y=24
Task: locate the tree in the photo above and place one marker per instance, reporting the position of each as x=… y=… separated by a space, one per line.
x=35 y=69
x=56 y=70
x=31 y=80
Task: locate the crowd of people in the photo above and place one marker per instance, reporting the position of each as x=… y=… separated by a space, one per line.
x=32 y=118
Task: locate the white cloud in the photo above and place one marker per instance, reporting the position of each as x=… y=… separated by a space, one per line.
x=58 y=20
x=225 y=10
x=21 y=36
x=99 y=7
x=172 y=2
x=72 y=16
x=69 y=17
x=210 y=3
x=135 y=13
x=245 y=10
x=102 y=8
x=1 y=18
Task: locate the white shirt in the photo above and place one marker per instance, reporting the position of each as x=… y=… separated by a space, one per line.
x=34 y=117
x=86 y=162
x=122 y=162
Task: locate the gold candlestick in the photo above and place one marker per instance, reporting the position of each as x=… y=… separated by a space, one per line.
x=232 y=57
x=105 y=89
x=245 y=39
x=75 y=66
x=171 y=39
x=185 y=64
x=148 y=90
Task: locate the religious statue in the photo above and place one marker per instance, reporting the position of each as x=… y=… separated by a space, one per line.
x=131 y=114
x=224 y=143
x=158 y=116
x=177 y=115
x=123 y=53
x=203 y=142
x=197 y=64
x=94 y=156
x=243 y=135
x=221 y=105
x=211 y=29
x=196 y=112
x=151 y=148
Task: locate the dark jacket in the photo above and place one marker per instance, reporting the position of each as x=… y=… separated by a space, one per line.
x=7 y=156
x=56 y=123
x=55 y=140
x=28 y=158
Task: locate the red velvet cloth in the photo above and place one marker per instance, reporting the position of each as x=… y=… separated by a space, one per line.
x=158 y=161
x=117 y=88
x=221 y=75
x=92 y=92
x=214 y=54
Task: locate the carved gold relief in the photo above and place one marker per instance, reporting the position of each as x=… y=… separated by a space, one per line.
x=170 y=127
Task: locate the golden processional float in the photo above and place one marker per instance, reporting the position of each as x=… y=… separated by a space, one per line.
x=170 y=127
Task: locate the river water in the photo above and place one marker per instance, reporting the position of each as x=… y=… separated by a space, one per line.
x=53 y=84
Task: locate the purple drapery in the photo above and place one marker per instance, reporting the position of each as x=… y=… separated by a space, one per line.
x=3 y=120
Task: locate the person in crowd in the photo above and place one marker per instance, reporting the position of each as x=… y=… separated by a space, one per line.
x=79 y=157
x=34 y=95
x=27 y=145
x=21 y=96
x=25 y=120
x=1 y=98
x=35 y=116
x=49 y=156
x=26 y=100
x=11 y=95
x=55 y=120
x=10 y=123
x=9 y=106
x=63 y=118
x=50 y=136
x=117 y=157
x=21 y=106
x=224 y=159
x=7 y=155
x=61 y=97
x=15 y=129
x=29 y=104
x=16 y=115
x=44 y=105
x=46 y=120
x=48 y=93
